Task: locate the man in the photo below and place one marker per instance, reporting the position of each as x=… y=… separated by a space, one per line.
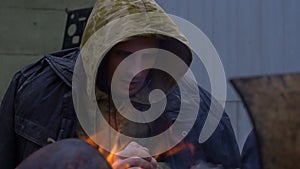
x=38 y=107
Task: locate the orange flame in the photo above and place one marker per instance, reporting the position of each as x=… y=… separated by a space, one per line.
x=108 y=155
x=180 y=147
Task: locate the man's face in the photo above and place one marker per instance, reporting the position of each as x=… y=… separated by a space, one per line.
x=122 y=51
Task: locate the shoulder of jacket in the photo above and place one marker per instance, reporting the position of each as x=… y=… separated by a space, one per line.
x=64 y=59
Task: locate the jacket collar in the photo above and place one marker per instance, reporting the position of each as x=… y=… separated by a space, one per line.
x=63 y=63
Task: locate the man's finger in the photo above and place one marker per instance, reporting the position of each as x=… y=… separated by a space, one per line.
x=153 y=162
x=133 y=162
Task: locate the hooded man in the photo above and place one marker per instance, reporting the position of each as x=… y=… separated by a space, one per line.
x=124 y=45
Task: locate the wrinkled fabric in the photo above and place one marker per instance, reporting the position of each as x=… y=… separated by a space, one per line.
x=25 y=129
x=111 y=22
x=38 y=106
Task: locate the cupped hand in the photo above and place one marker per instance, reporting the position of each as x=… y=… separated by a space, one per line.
x=134 y=156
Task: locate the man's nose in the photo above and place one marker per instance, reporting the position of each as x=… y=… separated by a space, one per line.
x=135 y=64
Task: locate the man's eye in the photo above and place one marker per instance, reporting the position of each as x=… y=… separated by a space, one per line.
x=123 y=53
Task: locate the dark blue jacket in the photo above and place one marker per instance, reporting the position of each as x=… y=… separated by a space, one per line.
x=37 y=107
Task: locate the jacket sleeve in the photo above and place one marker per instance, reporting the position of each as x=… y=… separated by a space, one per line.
x=222 y=147
x=250 y=154
x=220 y=150
x=7 y=135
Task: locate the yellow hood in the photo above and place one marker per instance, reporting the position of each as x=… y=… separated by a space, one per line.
x=114 y=21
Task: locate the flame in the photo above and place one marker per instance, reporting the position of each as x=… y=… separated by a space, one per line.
x=108 y=155
x=180 y=147
x=90 y=141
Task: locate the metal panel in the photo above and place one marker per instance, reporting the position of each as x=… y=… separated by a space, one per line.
x=252 y=37
x=249 y=38
x=31 y=31
x=272 y=35
x=47 y=4
x=76 y=22
x=291 y=39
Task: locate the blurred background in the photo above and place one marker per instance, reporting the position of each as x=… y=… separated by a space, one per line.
x=252 y=37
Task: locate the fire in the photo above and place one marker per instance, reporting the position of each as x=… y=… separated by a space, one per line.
x=180 y=147
x=109 y=155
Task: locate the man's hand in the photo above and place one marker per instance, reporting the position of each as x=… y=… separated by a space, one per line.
x=134 y=156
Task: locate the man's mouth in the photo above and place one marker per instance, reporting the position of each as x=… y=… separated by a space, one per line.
x=133 y=85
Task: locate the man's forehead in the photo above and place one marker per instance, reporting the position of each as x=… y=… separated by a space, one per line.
x=136 y=44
